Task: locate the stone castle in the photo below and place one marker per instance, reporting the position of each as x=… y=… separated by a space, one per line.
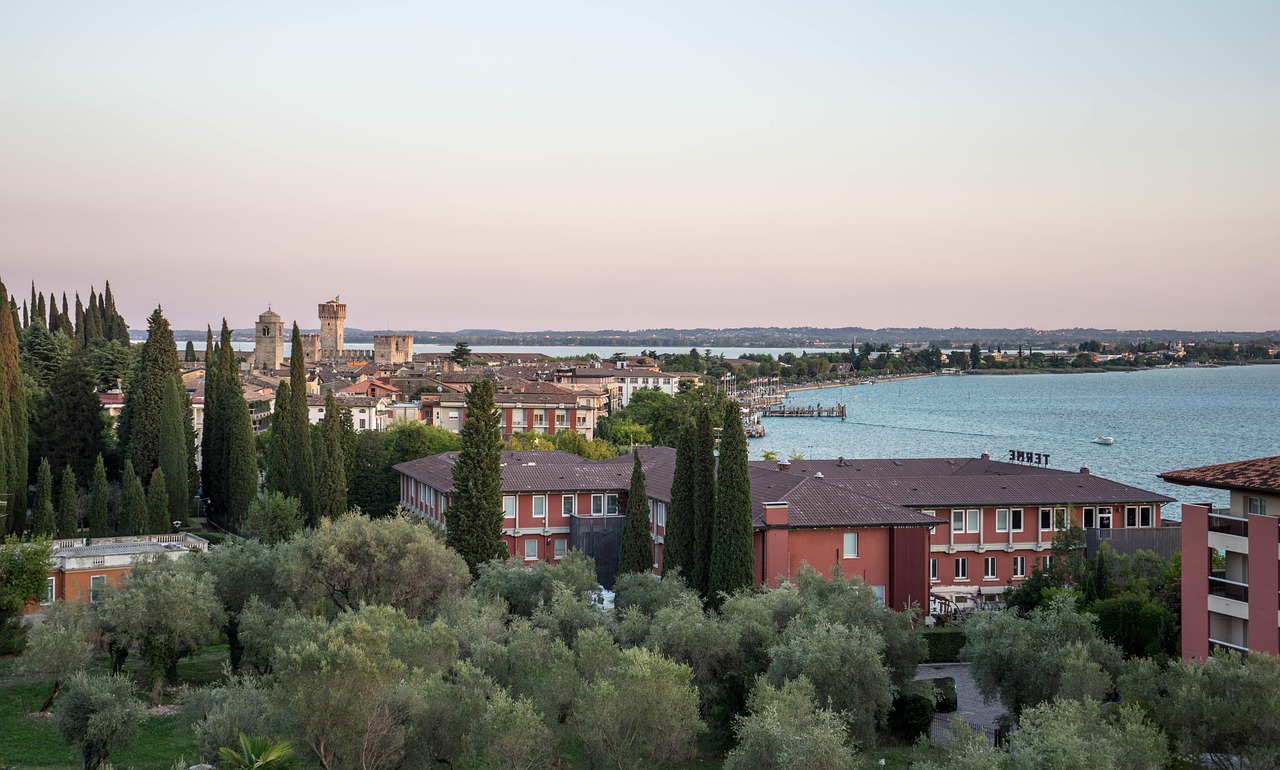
x=327 y=347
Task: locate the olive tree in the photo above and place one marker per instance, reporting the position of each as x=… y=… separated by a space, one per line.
x=59 y=646
x=98 y=715
x=238 y=570
x=786 y=730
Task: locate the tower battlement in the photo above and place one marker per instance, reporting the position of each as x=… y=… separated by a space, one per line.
x=392 y=349
x=333 y=319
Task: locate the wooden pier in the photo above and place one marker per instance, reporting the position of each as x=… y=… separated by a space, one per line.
x=814 y=410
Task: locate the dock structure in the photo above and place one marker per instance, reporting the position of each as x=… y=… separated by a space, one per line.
x=813 y=410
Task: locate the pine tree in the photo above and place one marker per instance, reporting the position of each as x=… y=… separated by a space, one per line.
x=474 y=516
x=133 y=503
x=68 y=513
x=13 y=426
x=158 y=522
x=302 y=483
x=677 y=548
x=189 y=355
x=635 y=554
x=72 y=428
x=331 y=472
x=45 y=521
x=704 y=498
x=175 y=445
x=99 y=493
x=732 y=547
x=280 y=443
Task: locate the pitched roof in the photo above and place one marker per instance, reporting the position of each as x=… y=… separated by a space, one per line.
x=1260 y=475
x=547 y=470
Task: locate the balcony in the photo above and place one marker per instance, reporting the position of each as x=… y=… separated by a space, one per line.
x=1229 y=589
x=1226 y=524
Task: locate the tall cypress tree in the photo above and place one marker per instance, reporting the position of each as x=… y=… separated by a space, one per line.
x=635 y=553
x=158 y=522
x=133 y=503
x=13 y=427
x=239 y=465
x=68 y=513
x=45 y=521
x=732 y=550
x=331 y=465
x=139 y=428
x=302 y=484
x=72 y=428
x=99 y=493
x=80 y=327
x=677 y=547
x=474 y=517
x=704 y=498
x=175 y=445
x=189 y=355
x=212 y=446
x=279 y=448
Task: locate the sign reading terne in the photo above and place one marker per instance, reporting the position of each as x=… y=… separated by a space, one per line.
x=1030 y=458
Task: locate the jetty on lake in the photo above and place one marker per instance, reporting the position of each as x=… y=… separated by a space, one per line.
x=811 y=410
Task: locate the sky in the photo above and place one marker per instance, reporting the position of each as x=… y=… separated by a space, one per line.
x=584 y=165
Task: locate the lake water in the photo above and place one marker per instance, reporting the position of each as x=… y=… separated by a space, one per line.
x=1162 y=420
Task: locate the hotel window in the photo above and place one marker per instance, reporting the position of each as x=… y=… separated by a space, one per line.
x=560 y=545
x=1002 y=520
x=1046 y=562
x=1019 y=566
x=1256 y=506
x=508 y=506
x=957 y=521
x=96 y=585
x=1131 y=516
x=1053 y=518
x=531 y=550
x=1145 y=512
x=962 y=569
x=560 y=419
x=568 y=504
x=1015 y=519
x=975 y=521
x=933 y=569
x=1104 y=518
x=989 y=568
x=1089 y=520
x=540 y=417
x=597 y=505
x=539 y=506
x=611 y=505
x=49 y=591
x=851 y=545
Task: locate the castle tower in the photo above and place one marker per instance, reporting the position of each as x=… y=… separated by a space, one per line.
x=310 y=348
x=333 y=317
x=390 y=349
x=268 y=346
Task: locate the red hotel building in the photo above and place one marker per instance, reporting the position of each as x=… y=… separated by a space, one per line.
x=1236 y=606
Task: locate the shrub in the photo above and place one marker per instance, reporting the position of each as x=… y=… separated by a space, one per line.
x=98 y=715
x=946 y=701
x=944 y=644
x=911 y=716
x=787 y=731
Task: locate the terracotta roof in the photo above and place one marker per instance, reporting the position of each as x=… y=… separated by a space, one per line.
x=1260 y=475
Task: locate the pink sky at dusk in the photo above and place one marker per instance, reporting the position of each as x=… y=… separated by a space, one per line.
x=574 y=166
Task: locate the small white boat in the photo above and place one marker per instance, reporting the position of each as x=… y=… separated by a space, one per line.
x=1108 y=440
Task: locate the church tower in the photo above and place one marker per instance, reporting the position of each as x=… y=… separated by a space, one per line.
x=333 y=317
x=268 y=347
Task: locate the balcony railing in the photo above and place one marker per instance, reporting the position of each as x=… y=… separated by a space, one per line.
x=1229 y=589
x=1225 y=524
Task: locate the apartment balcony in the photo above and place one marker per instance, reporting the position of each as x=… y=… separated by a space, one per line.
x=1226 y=524
x=1229 y=589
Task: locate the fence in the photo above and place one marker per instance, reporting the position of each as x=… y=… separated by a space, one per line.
x=1164 y=540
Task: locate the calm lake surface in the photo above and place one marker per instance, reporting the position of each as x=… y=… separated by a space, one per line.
x=1162 y=420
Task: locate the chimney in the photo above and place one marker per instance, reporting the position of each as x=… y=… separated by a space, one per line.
x=1084 y=469
x=784 y=465
x=839 y=462
x=986 y=455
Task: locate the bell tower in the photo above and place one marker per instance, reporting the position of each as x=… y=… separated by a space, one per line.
x=268 y=346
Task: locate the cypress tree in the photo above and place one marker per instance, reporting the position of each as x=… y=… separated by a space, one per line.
x=139 y=428
x=190 y=354
x=677 y=548
x=26 y=317
x=72 y=426
x=41 y=312
x=80 y=328
x=92 y=318
x=158 y=521
x=280 y=442
x=45 y=521
x=68 y=515
x=302 y=483
x=133 y=503
x=13 y=426
x=331 y=470
x=175 y=448
x=704 y=498
x=99 y=493
x=635 y=554
x=239 y=463
x=474 y=517
x=212 y=447
x=732 y=550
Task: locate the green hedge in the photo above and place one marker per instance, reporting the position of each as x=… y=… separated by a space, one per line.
x=911 y=717
x=944 y=644
x=946 y=701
